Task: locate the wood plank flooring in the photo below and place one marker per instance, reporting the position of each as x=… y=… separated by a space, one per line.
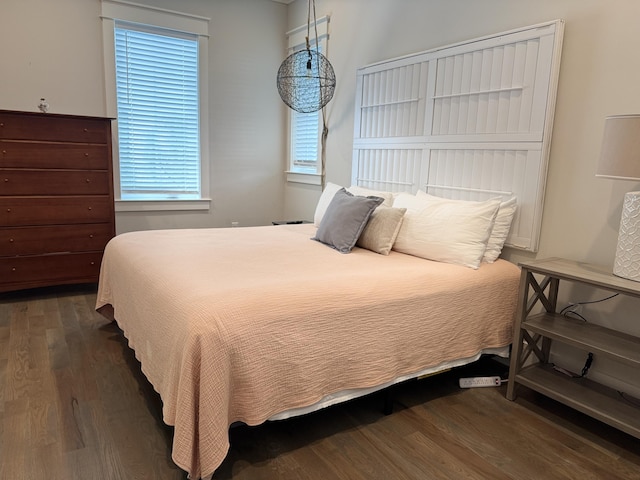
x=74 y=405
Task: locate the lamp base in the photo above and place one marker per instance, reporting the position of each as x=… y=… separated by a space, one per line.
x=627 y=261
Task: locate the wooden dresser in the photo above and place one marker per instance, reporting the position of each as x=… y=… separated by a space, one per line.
x=56 y=198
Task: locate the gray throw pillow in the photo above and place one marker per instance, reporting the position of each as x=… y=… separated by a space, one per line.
x=344 y=220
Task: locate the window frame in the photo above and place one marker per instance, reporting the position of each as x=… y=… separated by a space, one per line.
x=296 y=39
x=115 y=10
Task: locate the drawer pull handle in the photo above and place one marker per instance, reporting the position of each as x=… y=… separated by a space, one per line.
x=11 y=240
x=8 y=210
x=90 y=208
x=88 y=180
x=6 y=180
x=91 y=236
x=86 y=154
x=4 y=152
x=93 y=263
x=85 y=130
x=13 y=269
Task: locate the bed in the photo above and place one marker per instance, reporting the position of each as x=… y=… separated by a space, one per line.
x=263 y=323
x=258 y=323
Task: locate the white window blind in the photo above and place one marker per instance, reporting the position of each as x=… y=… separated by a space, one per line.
x=305 y=140
x=305 y=128
x=158 y=118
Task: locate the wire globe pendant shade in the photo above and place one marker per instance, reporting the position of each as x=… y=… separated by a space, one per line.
x=306 y=81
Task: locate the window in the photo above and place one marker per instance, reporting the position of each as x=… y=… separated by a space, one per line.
x=157 y=94
x=305 y=128
x=156 y=84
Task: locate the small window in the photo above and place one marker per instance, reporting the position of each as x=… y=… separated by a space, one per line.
x=305 y=128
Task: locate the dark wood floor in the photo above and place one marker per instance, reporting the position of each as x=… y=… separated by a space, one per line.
x=74 y=405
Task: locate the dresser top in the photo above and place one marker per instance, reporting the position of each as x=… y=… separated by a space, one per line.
x=55 y=115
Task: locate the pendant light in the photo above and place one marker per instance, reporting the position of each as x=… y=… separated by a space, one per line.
x=306 y=80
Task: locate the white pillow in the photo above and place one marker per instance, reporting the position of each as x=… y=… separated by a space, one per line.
x=365 y=192
x=381 y=230
x=443 y=230
x=501 y=225
x=328 y=193
x=500 y=231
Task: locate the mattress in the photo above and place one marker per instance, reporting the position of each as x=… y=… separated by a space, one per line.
x=242 y=324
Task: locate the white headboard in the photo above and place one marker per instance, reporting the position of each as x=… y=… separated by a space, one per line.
x=468 y=121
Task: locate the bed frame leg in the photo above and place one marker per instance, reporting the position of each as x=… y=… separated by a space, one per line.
x=387 y=409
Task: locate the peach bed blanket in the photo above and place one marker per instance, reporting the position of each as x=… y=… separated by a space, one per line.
x=239 y=324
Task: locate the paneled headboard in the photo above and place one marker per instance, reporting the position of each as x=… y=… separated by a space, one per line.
x=468 y=121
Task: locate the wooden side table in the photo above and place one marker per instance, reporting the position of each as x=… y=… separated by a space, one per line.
x=534 y=333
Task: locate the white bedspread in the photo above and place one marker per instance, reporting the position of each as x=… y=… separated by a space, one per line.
x=239 y=324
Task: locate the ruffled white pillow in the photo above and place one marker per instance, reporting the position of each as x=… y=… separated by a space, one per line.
x=501 y=225
x=367 y=192
x=500 y=231
x=329 y=191
x=445 y=230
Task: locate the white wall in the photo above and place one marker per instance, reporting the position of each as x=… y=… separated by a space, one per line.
x=600 y=75
x=53 y=49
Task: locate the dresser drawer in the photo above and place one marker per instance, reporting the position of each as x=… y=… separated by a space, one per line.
x=53 y=128
x=53 y=182
x=27 y=272
x=54 y=239
x=53 y=155
x=23 y=211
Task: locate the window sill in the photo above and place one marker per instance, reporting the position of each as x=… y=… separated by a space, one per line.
x=307 y=178
x=162 y=205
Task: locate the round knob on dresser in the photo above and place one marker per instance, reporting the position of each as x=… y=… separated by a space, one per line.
x=11 y=240
x=88 y=180
x=91 y=235
x=8 y=210
x=90 y=208
x=13 y=269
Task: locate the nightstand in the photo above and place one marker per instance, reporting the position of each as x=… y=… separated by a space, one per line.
x=534 y=333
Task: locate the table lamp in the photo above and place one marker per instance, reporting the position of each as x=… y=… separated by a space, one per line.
x=620 y=159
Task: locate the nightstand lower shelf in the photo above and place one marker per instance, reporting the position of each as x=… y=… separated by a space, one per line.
x=586 y=396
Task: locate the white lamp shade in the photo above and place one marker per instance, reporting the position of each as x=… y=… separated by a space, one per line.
x=620 y=154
